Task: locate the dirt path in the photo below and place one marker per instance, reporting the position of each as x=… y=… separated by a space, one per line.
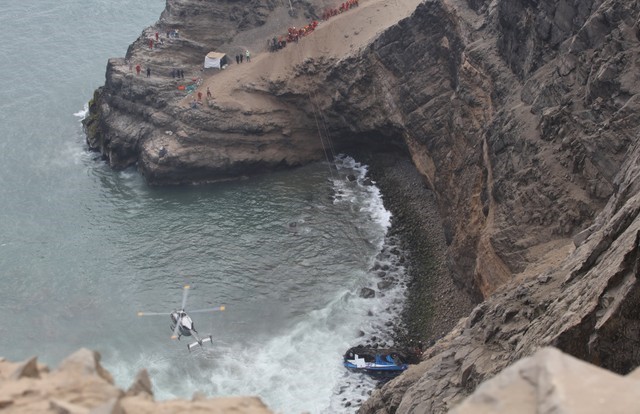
x=336 y=38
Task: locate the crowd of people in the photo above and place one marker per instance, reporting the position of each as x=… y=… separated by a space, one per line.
x=329 y=13
x=294 y=34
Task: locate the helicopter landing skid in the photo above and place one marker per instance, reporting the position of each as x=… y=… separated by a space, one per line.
x=194 y=344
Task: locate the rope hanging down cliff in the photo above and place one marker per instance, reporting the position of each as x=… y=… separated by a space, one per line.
x=325 y=141
x=328 y=147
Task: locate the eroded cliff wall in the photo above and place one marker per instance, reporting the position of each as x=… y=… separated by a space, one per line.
x=518 y=116
x=560 y=140
x=586 y=306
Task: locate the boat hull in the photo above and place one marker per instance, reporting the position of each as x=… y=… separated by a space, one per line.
x=374 y=362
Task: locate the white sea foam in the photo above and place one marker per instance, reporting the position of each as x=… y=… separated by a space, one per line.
x=82 y=114
x=298 y=371
x=384 y=310
x=74 y=153
x=367 y=196
x=292 y=372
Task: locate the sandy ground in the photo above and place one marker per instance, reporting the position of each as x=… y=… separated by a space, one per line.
x=335 y=38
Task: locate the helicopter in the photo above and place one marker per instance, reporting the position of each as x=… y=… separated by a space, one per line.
x=181 y=322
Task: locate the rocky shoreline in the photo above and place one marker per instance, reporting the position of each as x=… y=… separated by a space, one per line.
x=434 y=303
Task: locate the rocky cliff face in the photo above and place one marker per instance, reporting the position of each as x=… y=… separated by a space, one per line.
x=520 y=133
x=521 y=116
x=549 y=86
x=132 y=114
x=586 y=306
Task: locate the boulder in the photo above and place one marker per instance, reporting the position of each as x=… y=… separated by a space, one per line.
x=551 y=382
x=27 y=369
x=367 y=293
x=141 y=384
x=85 y=362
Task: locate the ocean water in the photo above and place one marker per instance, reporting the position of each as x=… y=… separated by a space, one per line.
x=83 y=248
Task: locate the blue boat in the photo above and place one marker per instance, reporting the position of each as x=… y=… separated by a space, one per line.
x=375 y=362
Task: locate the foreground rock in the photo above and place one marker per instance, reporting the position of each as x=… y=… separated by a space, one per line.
x=553 y=382
x=81 y=385
x=547 y=382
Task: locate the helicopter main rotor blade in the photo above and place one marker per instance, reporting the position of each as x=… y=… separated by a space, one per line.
x=219 y=308
x=185 y=292
x=152 y=313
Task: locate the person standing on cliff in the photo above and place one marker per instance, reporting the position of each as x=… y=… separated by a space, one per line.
x=237 y=59
x=241 y=57
x=246 y=52
x=148 y=72
x=208 y=92
x=138 y=68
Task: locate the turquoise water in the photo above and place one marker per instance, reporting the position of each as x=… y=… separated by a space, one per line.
x=83 y=248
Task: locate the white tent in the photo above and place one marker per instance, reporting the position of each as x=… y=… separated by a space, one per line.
x=215 y=60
